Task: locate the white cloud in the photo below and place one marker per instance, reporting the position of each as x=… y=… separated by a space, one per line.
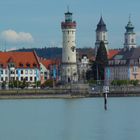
x=15 y=37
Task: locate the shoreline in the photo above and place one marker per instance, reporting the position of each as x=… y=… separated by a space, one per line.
x=58 y=94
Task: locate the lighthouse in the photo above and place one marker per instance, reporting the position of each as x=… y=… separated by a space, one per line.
x=69 y=65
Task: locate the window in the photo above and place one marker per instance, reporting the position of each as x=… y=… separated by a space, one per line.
x=20 y=64
x=26 y=72
x=26 y=78
x=16 y=71
x=31 y=78
x=135 y=68
x=132 y=40
x=125 y=40
x=97 y=37
x=34 y=65
x=31 y=72
x=1 y=78
x=21 y=78
x=21 y=71
x=28 y=65
x=12 y=72
x=1 y=72
x=73 y=48
x=45 y=73
x=135 y=76
x=6 y=78
x=6 y=72
x=34 y=78
x=104 y=37
x=35 y=71
x=1 y=65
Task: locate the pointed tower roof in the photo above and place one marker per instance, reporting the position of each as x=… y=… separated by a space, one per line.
x=101 y=26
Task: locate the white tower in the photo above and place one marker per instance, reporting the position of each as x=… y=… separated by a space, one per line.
x=129 y=36
x=101 y=35
x=69 y=65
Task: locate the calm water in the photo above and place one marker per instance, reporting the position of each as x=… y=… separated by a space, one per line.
x=70 y=119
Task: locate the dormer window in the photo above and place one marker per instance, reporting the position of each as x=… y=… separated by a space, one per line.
x=34 y=65
x=28 y=65
x=1 y=65
x=20 y=64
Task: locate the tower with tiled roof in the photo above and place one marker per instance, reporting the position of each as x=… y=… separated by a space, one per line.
x=69 y=65
x=129 y=36
x=101 y=35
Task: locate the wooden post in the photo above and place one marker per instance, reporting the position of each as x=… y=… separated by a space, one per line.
x=105 y=101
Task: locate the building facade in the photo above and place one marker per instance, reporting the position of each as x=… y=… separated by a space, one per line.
x=49 y=69
x=124 y=66
x=19 y=66
x=83 y=67
x=69 y=64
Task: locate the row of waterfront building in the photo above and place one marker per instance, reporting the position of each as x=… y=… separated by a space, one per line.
x=123 y=64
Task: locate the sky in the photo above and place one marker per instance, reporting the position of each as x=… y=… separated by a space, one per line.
x=37 y=23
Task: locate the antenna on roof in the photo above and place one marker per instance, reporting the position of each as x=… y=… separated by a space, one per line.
x=68 y=8
x=129 y=17
x=5 y=46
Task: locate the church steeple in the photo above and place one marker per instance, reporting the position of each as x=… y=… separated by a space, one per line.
x=130 y=36
x=101 y=26
x=101 y=34
x=129 y=27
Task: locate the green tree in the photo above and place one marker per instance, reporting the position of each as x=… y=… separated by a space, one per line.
x=100 y=62
x=3 y=85
x=47 y=83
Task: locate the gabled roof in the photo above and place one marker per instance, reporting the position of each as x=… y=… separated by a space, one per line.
x=48 y=62
x=19 y=58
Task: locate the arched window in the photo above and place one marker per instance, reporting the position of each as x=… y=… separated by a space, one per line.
x=104 y=37
x=97 y=37
x=126 y=40
x=132 y=40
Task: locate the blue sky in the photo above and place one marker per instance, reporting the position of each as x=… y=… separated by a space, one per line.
x=37 y=23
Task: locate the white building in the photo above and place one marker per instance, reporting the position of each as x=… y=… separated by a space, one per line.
x=69 y=65
x=83 y=67
x=19 y=66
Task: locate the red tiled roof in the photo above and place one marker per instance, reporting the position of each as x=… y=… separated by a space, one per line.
x=21 y=59
x=112 y=53
x=48 y=62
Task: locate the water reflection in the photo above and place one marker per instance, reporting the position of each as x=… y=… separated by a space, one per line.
x=70 y=119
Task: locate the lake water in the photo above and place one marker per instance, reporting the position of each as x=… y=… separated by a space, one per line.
x=70 y=119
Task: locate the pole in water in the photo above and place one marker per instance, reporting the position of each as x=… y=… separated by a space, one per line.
x=105 y=101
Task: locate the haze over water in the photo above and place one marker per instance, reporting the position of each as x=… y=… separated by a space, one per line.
x=70 y=119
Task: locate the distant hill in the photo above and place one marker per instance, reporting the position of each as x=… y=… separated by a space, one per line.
x=56 y=53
